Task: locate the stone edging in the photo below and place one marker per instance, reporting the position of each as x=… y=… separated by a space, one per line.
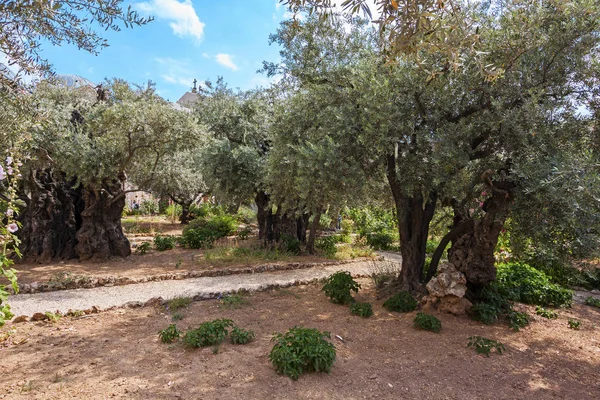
x=88 y=282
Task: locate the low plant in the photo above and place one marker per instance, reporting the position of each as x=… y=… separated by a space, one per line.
x=179 y=302
x=177 y=316
x=338 y=287
x=289 y=244
x=209 y=333
x=401 y=302
x=240 y=335
x=54 y=317
x=427 y=322
x=361 y=309
x=326 y=246
x=143 y=248
x=302 y=350
x=170 y=334
x=162 y=243
x=485 y=346
x=517 y=320
x=574 y=324
x=202 y=233
x=380 y=240
x=233 y=301
x=592 y=301
x=544 y=312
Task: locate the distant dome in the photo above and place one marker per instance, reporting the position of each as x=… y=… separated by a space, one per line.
x=74 y=81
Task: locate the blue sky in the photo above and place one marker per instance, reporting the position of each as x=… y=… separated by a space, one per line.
x=188 y=39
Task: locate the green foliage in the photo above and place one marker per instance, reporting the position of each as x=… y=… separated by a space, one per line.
x=372 y=220
x=244 y=233
x=149 y=207
x=517 y=320
x=143 y=248
x=326 y=246
x=431 y=246
x=54 y=317
x=240 y=335
x=485 y=346
x=574 y=324
x=202 y=233
x=178 y=303
x=289 y=244
x=427 y=322
x=162 y=243
x=302 y=350
x=564 y=274
x=246 y=215
x=177 y=316
x=520 y=282
x=169 y=334
x=592 y=301
x=338 y=287
x=401 y=302
x=380 y=241
x=173 y=209
x=361 y=309
x=209 y=333
x=544 y=312
x=234 y=301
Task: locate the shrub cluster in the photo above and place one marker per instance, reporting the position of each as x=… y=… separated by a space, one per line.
x=326 y=245
x=302 y=350
x=485 y=346
x=401 y=302
x=361 y=309
x=338 y=287
x=162 y=243
x=427 y=322
x=202 y=233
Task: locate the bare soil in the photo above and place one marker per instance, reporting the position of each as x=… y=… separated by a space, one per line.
x=117 y=354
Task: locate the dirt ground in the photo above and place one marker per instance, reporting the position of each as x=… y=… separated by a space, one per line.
x=117 y=354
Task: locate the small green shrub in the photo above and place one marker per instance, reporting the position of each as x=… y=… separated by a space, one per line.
x=53 y=317
x=574 y=324
x=143 y=248
x=244 y=233
x=326 y=246
x=173 y=209
x=289 y=244
x=233 y=301
x=170 y=334
x=427 y=322
x=525 y=284
x=485 y=346
x=209 y=333
x=591 y=301
x=177 y=316
x=401 y=302
x=162 y=243
x=544 y=312
x=380 y=241
x=361 y=309
x=302 y=350
x=517 y=320
x=179 y=302
x=240 y=335
x=338 y=287
x=202 y=233
x=431 y=246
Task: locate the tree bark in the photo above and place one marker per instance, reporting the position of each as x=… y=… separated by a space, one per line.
x=101 y=235
x=310 y=243
x=51 y=219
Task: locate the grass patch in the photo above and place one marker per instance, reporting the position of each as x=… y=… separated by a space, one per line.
x=234 y=301
x=178 y=303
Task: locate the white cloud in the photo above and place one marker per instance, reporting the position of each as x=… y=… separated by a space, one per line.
x=226 y=61
x=175 y=71
x=185 y=21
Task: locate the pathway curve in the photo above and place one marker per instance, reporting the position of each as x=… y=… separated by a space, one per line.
x=206 y=287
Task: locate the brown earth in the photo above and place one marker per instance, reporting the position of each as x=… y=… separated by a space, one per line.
x=117 y=354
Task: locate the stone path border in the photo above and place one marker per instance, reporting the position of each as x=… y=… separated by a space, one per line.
x=88 y=282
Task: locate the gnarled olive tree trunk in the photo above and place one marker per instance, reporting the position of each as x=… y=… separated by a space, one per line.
x=272 y=226
x=101 y=235
x=51 y=218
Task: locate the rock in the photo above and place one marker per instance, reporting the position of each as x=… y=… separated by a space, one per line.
x=21 y=318
x=95 y=310
x=39 y=317
x=133 y=304
x=154 y=302
x=454 y=305
x=447 y=290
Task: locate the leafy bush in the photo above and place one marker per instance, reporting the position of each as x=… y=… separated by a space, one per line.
x=338 y=287
x=173 y=209
x=233 y=301
x=162 y=243
x=380 y=241
x=523 y=283
x=209 y=333
x=401 y=302
x=246 y=215
x=302 y=350
x=485 y=346
x=149 y=207
x=326 y=245
x=517 y=320
x=591 y=301
x=240 y=335
x=372 y=220
x=202 y=233
x=170 y=334
x=544 y=312
x=289 y=244
x=574 y=324
x=427 y=322
x=361 y=309
x=143 y=248
x=431 y=246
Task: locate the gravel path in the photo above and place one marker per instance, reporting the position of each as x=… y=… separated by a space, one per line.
x=207 y=287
